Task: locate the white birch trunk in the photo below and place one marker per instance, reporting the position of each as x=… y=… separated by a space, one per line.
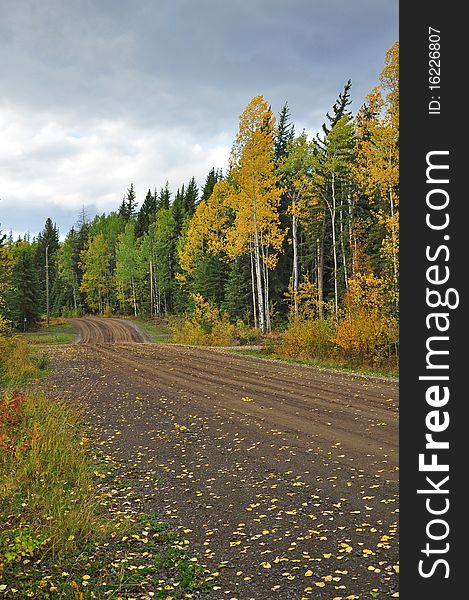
x=295 y=261
x=334 y=246
x=260 y=296
x=253 y=286
x=134 y=299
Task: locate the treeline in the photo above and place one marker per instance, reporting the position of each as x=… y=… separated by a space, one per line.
x=294 y=229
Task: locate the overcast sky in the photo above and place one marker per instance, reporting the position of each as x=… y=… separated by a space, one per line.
x=96 y=94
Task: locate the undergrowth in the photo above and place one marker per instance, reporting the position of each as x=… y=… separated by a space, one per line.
x=67 y=528
x=65 y=531
x=18 y=363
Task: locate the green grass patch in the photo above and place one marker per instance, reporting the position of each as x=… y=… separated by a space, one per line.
x=19 y=363
x=158 y=330
x=57 y=332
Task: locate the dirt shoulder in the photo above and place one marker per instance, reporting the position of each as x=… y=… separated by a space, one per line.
x=286 y=473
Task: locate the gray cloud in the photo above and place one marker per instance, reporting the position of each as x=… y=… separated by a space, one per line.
x=101 y=93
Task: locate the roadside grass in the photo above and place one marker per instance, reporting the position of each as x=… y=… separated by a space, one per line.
x=57 y=332
x=67 y=528
x=158 y=330
x=338 y=365
x=19 y=362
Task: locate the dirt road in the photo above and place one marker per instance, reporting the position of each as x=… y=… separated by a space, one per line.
x=107 y=331
x=288 y=473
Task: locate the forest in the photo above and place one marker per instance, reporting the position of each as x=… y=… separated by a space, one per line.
x=296 y=238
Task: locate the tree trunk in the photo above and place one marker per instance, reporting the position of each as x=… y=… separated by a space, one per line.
x=321 y=269
x=295 y=262
x=266 y=297
x=393 y=242
x=152 y=298
x=342 y=247
x=332 y=210
x=253 y=285
x=260 y=296
x=134 y=299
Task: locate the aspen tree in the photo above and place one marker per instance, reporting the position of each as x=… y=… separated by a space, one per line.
x=255 y=198
x=377 y=156
x=95 y=262
x=296 y=171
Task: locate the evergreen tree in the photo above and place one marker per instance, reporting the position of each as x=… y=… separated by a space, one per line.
x=237 y=301
x=48 y=239
x=210 y=182
x=164 y=199
x=281 y=275
x=146 y=214
x=285 y=133
x=68 y=273
x=5 y=280
x=208 y=278
x=80 y=242
x=339 y=108
x=128 y=204
x=23 y=295
x=191 y=198
x=178 y=212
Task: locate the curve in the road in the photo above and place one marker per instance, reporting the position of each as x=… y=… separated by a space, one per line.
x=94 y=330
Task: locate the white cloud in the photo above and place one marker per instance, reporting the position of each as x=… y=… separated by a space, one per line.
x=101 y=94
x=45 y=164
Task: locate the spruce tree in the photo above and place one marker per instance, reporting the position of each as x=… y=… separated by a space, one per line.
x=164 y=198
x=281 y=275
x=23 y=295
x=209 y=276
x=178 y=212
x=128 y=204
x=146 y=214
x=47 y=243
x=212 y=178
x=191 y=198
x=285 y=133
x=237 y=293
x=339 y=108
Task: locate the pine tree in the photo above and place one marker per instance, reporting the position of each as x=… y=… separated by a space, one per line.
x=68 y=275
x=212 y=178
x=146 y=214
x=285 y=133
x=177 y=210
x=208 y=278
x=128 y=204
x=5 y=281
x=164 y=199
x=237 y=300
x=23 y=294
x=339 y=108
x=191 y=198
x=47 y=244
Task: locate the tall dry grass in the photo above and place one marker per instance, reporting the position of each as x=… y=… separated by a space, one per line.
x=45 y=473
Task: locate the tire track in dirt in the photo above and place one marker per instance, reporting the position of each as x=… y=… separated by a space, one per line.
x=296 y=489
x=107 y=331
x=292 y=405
